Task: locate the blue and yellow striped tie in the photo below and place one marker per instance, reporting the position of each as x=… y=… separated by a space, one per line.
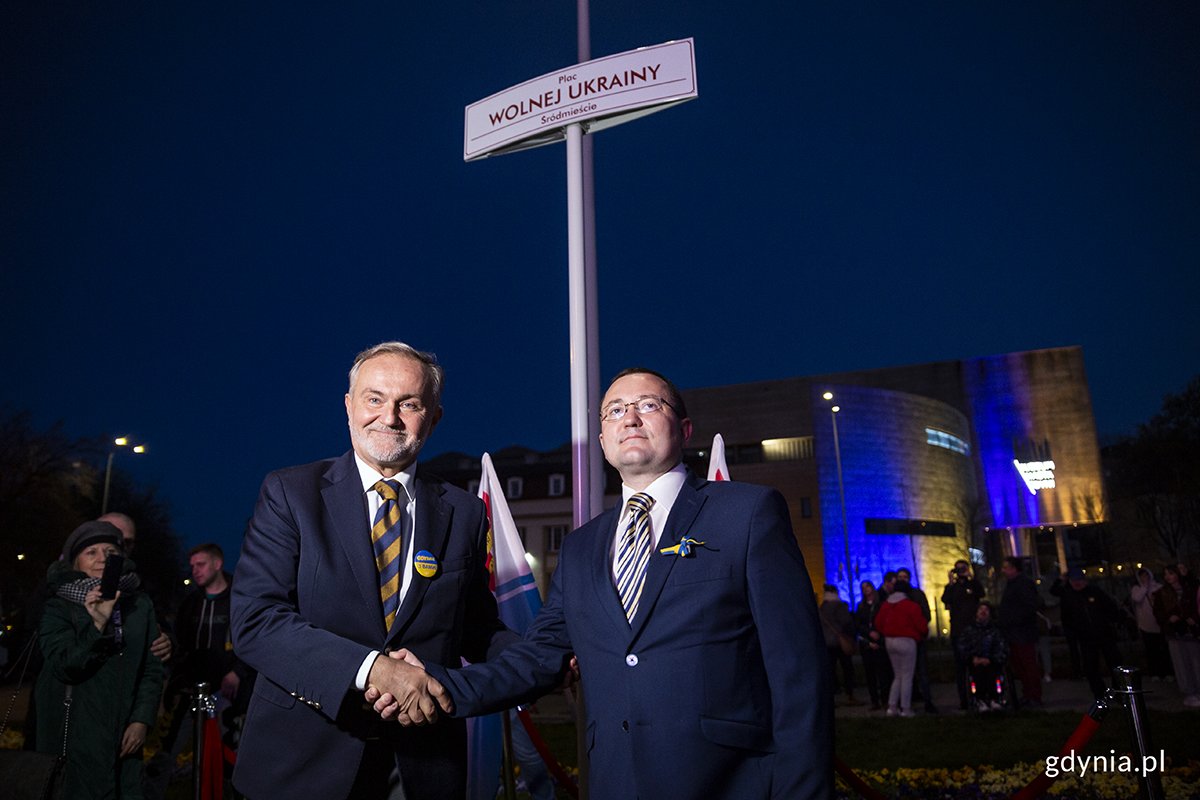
x=634 y=553
x=389 y=545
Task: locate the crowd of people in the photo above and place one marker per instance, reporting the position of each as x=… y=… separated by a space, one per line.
x=110 y=669
x=997 y=640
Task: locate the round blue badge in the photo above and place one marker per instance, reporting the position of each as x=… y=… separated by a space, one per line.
x=425 y=564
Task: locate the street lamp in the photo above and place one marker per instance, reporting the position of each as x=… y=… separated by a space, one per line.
x=837 y=452
x=120 y=441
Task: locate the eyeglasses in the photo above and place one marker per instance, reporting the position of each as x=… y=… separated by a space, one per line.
x=644 y=406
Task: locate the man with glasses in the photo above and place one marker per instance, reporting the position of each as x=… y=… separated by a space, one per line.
x=693 y=619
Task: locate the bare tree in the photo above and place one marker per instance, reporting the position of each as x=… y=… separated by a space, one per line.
x=1158 y=470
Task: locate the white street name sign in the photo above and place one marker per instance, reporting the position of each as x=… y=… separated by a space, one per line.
x=599 y=94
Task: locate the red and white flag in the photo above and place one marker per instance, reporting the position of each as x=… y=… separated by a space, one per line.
x=718 y=470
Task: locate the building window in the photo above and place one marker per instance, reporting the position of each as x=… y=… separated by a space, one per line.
x=806 y=507
x=558 y=485
x=473 y=486
x=947 y=440
x=554 y=537
x=794 y=448
x=908 y=527
x=513 y=488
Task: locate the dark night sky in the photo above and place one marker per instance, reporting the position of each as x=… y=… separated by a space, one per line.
x=208 y=209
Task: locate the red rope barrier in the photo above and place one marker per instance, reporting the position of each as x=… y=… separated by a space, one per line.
x=556 y=769
x=1076 y=741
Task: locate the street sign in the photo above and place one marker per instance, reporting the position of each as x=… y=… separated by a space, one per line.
x=598 y=94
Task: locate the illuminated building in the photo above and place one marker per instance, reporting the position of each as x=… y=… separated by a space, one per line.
x=983 y=457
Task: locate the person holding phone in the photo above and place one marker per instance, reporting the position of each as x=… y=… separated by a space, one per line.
x=95 y=635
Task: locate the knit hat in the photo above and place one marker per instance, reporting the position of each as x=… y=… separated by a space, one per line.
x=1075 y=574
x=91 y=533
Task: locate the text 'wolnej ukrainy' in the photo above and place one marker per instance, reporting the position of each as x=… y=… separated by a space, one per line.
x=572 y=89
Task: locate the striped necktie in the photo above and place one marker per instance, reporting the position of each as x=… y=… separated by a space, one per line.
x=634 y=553
x=389 y=546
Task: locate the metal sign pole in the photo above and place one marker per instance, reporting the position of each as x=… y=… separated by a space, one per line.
x=578 y=327
x=199 y=711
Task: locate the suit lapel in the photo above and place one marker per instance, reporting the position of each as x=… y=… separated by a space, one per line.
x=601 y=573
x=343 y=498
x=430 y=532
x=679 y=523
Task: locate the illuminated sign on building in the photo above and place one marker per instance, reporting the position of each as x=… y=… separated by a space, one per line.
x=1036 y=474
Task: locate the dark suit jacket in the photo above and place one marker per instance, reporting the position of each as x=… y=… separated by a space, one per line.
x=306 y=612
x=719 y=689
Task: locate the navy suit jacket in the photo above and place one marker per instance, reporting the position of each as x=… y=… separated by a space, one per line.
x=306 y=612
x=720 y=686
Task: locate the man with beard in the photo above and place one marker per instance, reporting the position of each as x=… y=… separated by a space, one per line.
x=345 y=560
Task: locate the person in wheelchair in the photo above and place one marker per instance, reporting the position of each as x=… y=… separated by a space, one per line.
x=983 y=648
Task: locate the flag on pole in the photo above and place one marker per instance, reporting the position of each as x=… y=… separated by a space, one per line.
x=517 y=596
x=718 y=470
x=512 y=580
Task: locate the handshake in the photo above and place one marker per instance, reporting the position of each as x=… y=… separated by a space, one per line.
x=399 y=689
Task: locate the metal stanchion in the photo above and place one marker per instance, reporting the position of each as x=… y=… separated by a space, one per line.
x=509 y=782
x=1127 y=683
x=201 y=705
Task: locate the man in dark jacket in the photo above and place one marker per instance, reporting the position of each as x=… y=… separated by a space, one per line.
x=961 y=598
x=204 y=655
x=1088 y=614
x=1018 y=620
x=837 y=623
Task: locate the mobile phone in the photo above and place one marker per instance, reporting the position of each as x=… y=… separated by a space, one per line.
x=111 y=578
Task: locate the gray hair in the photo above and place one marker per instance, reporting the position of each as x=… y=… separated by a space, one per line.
x=434 y=374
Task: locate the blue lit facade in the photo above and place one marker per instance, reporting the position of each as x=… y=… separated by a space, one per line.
x=894 y=479
x=927 y=461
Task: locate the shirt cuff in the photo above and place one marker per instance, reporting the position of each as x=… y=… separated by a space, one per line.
x=360 y=680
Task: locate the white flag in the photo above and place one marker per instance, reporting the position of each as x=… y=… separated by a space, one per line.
x=718 y=470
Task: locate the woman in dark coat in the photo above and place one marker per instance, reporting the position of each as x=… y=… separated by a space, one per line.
x=99 y=651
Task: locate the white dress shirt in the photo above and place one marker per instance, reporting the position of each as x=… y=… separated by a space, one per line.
x=406 y=478
x=664 y=489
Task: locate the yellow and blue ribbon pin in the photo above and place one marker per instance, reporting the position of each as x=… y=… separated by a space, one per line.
x=683 y=549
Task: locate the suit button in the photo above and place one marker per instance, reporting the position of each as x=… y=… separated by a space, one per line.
x=624 y=724
x=317 y=706
x=631 y=659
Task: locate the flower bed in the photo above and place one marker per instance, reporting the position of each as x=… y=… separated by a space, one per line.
x=989 y=783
